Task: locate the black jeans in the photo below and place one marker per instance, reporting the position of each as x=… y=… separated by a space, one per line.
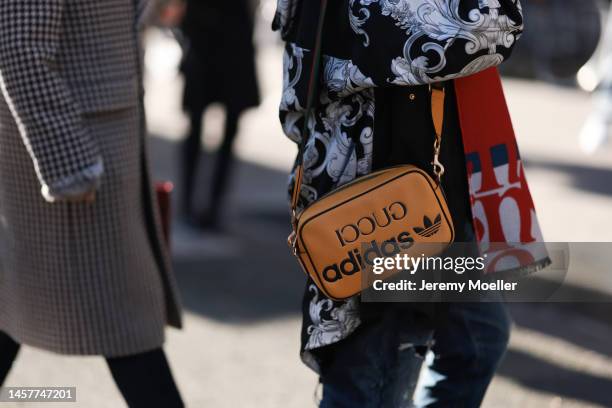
x=145 y=380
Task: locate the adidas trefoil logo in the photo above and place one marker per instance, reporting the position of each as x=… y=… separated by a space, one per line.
x=429 y=229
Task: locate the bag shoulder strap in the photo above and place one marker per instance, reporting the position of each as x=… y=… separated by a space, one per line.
x=312 y=94
x=437 y=111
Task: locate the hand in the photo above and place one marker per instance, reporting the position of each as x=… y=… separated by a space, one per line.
x=87 y=198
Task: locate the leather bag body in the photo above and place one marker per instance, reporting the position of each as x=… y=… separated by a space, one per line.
x=387 y=213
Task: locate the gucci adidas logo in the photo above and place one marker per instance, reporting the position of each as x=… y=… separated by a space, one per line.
x=429 y=228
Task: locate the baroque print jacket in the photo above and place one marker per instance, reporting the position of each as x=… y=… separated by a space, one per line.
x=370 y=44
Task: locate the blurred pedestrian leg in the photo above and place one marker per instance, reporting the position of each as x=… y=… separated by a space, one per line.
x=219 y=67
x=145 y=380
x=191 y=159
x=595 y=132
x=9 y=349
x=209 y=217
x=222 y=172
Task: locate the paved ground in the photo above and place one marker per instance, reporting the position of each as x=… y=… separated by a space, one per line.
x=239 y=348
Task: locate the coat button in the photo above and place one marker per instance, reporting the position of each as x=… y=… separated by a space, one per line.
x=412 y=97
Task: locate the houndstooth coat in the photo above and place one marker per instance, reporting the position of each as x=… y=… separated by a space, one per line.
x=78 y=278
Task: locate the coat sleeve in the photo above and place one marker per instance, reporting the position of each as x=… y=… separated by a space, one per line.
x=66 y=159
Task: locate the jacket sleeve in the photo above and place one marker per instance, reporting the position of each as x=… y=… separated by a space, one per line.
x=415 y=42
x=66 y=159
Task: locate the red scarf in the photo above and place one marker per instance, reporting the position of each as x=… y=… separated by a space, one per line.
x=503 y=212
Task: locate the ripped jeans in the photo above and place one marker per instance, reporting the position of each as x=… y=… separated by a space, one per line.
x=379 y=365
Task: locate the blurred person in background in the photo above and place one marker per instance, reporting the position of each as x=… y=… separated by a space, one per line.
x=219 y=67
x=596 y=130
x=83 y=269
x=373 y=112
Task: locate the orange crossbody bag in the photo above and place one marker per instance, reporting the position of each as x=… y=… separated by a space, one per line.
x=399 y=210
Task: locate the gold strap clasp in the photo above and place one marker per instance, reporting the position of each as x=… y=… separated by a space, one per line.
x=438 y=167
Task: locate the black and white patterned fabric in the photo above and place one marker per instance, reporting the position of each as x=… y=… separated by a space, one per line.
x=370 y=44
x=77 y=278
